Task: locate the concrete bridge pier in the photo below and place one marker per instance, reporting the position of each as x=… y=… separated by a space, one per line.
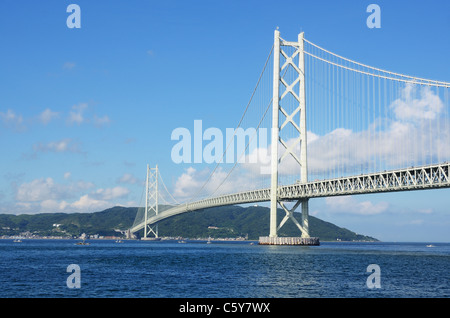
x=304 y=241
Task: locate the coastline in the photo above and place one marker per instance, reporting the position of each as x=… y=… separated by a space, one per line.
x=199 y=239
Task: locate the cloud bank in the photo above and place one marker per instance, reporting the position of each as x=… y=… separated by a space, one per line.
x=46 y=195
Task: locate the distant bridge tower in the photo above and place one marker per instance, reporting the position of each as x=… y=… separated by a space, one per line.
x=151 y=202
x=293 y=94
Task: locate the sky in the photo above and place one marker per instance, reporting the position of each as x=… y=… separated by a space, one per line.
x=84 y=110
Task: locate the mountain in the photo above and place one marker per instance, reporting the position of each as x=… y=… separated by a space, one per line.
x=251 y=222
x=220 y=222
x=69 y=224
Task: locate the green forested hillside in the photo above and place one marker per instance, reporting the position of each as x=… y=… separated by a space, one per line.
x=233 y=221
x=73 y=224
x=221 y=222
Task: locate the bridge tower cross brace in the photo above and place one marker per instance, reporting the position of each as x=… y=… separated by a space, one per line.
x=151 y=201
x=277 y=108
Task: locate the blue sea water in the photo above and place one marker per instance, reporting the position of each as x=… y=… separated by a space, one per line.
x=168 y=269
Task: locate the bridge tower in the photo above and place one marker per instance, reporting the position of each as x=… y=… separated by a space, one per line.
x=151 y=202
x=296 y=92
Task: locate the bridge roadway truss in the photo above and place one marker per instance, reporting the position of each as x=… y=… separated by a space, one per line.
x=408 y=179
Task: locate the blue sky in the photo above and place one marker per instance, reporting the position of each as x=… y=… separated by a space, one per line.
x=83 y=111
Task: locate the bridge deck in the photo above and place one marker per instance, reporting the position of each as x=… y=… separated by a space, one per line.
x=413 y=178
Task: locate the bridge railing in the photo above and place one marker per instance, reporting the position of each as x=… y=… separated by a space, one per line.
x=413 y=178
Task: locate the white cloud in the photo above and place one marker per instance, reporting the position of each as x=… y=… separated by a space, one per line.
x=417 y=104
x=53 y=205
x=11 y=117
x=38 y=190
x=192 y=184
x=88 y=204
x=128 y=178
x=46 y=195
x=64 y=145
x=24 y=207
x=101 y=121
x=47 y=189
x=68 y=65
x=61 y=146
x=79 y=115
x=348 y=204
x=76 y=115
x=110 y=193
x=188 y=184
x=47 y=115
x=12 y=120
x=98 y=200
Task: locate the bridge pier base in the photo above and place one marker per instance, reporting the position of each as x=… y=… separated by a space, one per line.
x=305 y=241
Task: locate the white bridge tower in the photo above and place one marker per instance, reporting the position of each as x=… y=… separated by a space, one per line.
x=151 y=203
x=296 y=92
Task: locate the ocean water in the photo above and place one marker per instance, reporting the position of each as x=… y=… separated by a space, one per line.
x=168 y=269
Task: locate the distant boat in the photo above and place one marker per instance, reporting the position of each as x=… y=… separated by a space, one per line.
x=82 y=243
x=430 y=245
x=181 y=241
x=119 y=241
x=17 y=241
x=83 y=237
x=209 y=240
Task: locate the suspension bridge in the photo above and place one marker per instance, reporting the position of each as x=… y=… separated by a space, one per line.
x=338 y=127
